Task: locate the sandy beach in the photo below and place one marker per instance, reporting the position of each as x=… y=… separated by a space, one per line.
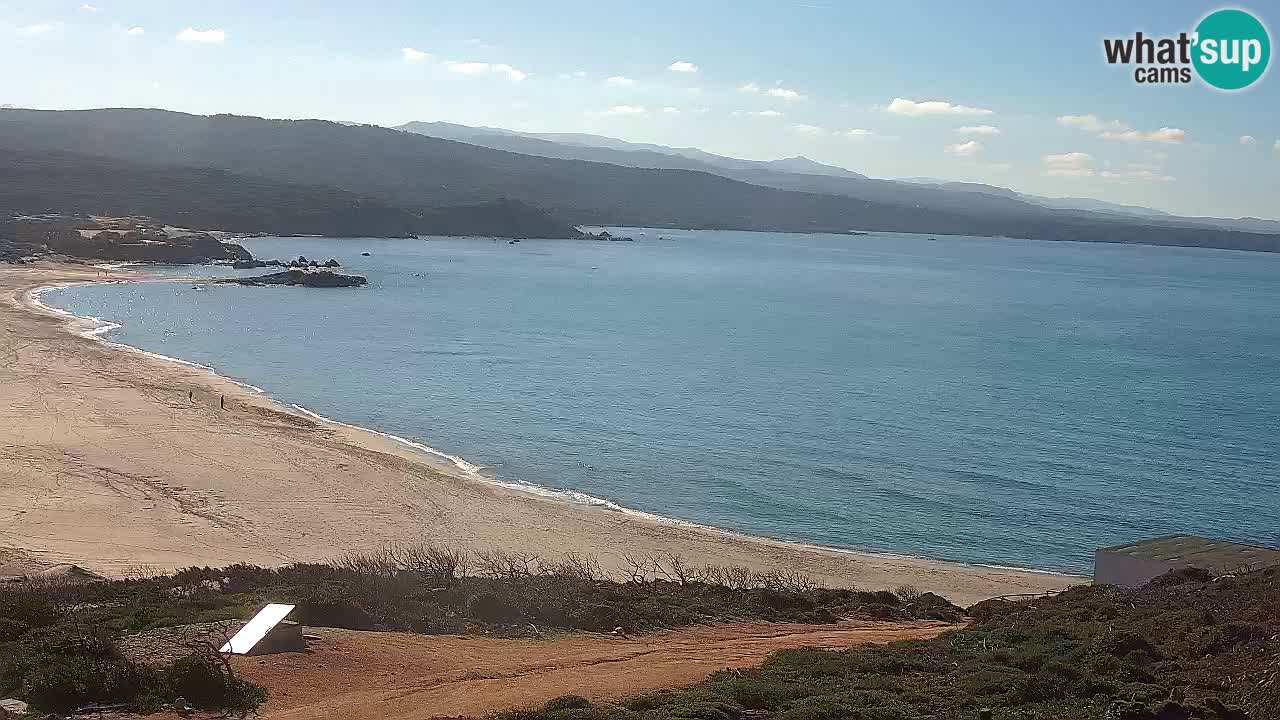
x=112 y=459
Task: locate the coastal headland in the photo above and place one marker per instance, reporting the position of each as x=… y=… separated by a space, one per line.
x=114 y=459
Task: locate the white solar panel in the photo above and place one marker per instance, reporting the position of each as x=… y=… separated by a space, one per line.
x=257 y=628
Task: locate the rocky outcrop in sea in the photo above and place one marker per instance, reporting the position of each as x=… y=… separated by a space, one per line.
x=301 y=277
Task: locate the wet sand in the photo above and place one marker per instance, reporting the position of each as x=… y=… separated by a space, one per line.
x=113 y=459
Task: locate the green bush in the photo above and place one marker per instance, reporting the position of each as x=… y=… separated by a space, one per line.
x=567 y=702
x=332 y=606
x=490 y=607
x=206 y=684
x=705 y=710
x=62 y=684
x=21 y=611
x=755 y=693
x=12 y=629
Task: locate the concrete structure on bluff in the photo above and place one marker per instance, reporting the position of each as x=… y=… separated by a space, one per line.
x=1138 y=563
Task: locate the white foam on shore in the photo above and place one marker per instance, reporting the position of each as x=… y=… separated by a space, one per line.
x=96 y=329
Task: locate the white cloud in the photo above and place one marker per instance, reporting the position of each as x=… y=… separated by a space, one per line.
x=784 y=93
x=1169 y=135
x=1117 y=130
x=807 y=129
x=626 y=110
x=1248 y=140
x=88 y=8
x=979 y=130
x=857 y=133
x=575 y=75
x=480 y=68
x=682 y=66
x=911 y=108
x=1090 y=123
x=702 y=110
x=964 y=149
x=135 y=31
x=1072 y=163
x=216 y=36
x=766 y=113
x=1150 y=170
x=619 y=81
x=671 y=110
x=512 y=73
x=1277 y=145
x=1137 y=173
x=749 y=88
x=413 y=54
x=37 y=29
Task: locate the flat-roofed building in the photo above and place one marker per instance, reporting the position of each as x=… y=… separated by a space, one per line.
x=1137 y=563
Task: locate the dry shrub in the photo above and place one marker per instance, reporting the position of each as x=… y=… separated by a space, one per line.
x=506 y=565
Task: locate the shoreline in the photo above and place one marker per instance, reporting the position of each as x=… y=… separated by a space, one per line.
x=956 y=580
x=434 y=454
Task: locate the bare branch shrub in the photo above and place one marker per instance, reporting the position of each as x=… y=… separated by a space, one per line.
x=789 y=580
x=671 y=566
x=734 y=577
x=579 y=566
x=907 y=593
x=446 y=565
x=379 y=563
x=640 y=569
x=141 y=572
x=505 y=565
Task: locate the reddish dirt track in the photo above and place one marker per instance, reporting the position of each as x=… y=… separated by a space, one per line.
x=358 y=675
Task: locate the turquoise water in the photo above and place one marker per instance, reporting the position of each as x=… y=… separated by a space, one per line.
x=983 y=400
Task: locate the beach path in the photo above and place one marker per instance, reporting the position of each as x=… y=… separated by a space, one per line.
x=113 y=459
x=354 y=675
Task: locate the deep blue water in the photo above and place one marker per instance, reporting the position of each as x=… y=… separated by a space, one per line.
x=984 y=400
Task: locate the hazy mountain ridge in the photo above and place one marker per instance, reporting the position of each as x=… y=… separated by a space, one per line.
x=782 y=174
x=597 y=148
x=213 y=198
x=421 y=174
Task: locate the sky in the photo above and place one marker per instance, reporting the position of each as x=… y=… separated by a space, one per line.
x=1014 y=94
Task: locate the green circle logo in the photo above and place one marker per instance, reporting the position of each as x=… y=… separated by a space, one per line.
x=1232 y=49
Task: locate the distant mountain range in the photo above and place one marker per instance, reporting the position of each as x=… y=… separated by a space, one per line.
x=929 y=192
x=388 y=179
x=597 y=148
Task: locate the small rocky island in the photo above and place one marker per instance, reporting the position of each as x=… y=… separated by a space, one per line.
x=305 y=277
x=605 y=236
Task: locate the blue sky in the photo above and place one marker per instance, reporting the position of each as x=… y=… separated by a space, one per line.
x=1024 y=97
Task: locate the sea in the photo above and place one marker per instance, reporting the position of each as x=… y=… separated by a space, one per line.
x=989 y=401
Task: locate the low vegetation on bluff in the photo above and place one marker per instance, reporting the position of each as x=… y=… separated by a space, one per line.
x=1185 y=646
x=1182 y=647
x=61 y=642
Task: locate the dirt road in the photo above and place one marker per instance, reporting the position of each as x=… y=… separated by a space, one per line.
x=358 y=675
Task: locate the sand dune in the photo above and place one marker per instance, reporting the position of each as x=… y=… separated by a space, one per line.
x=112 y=459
